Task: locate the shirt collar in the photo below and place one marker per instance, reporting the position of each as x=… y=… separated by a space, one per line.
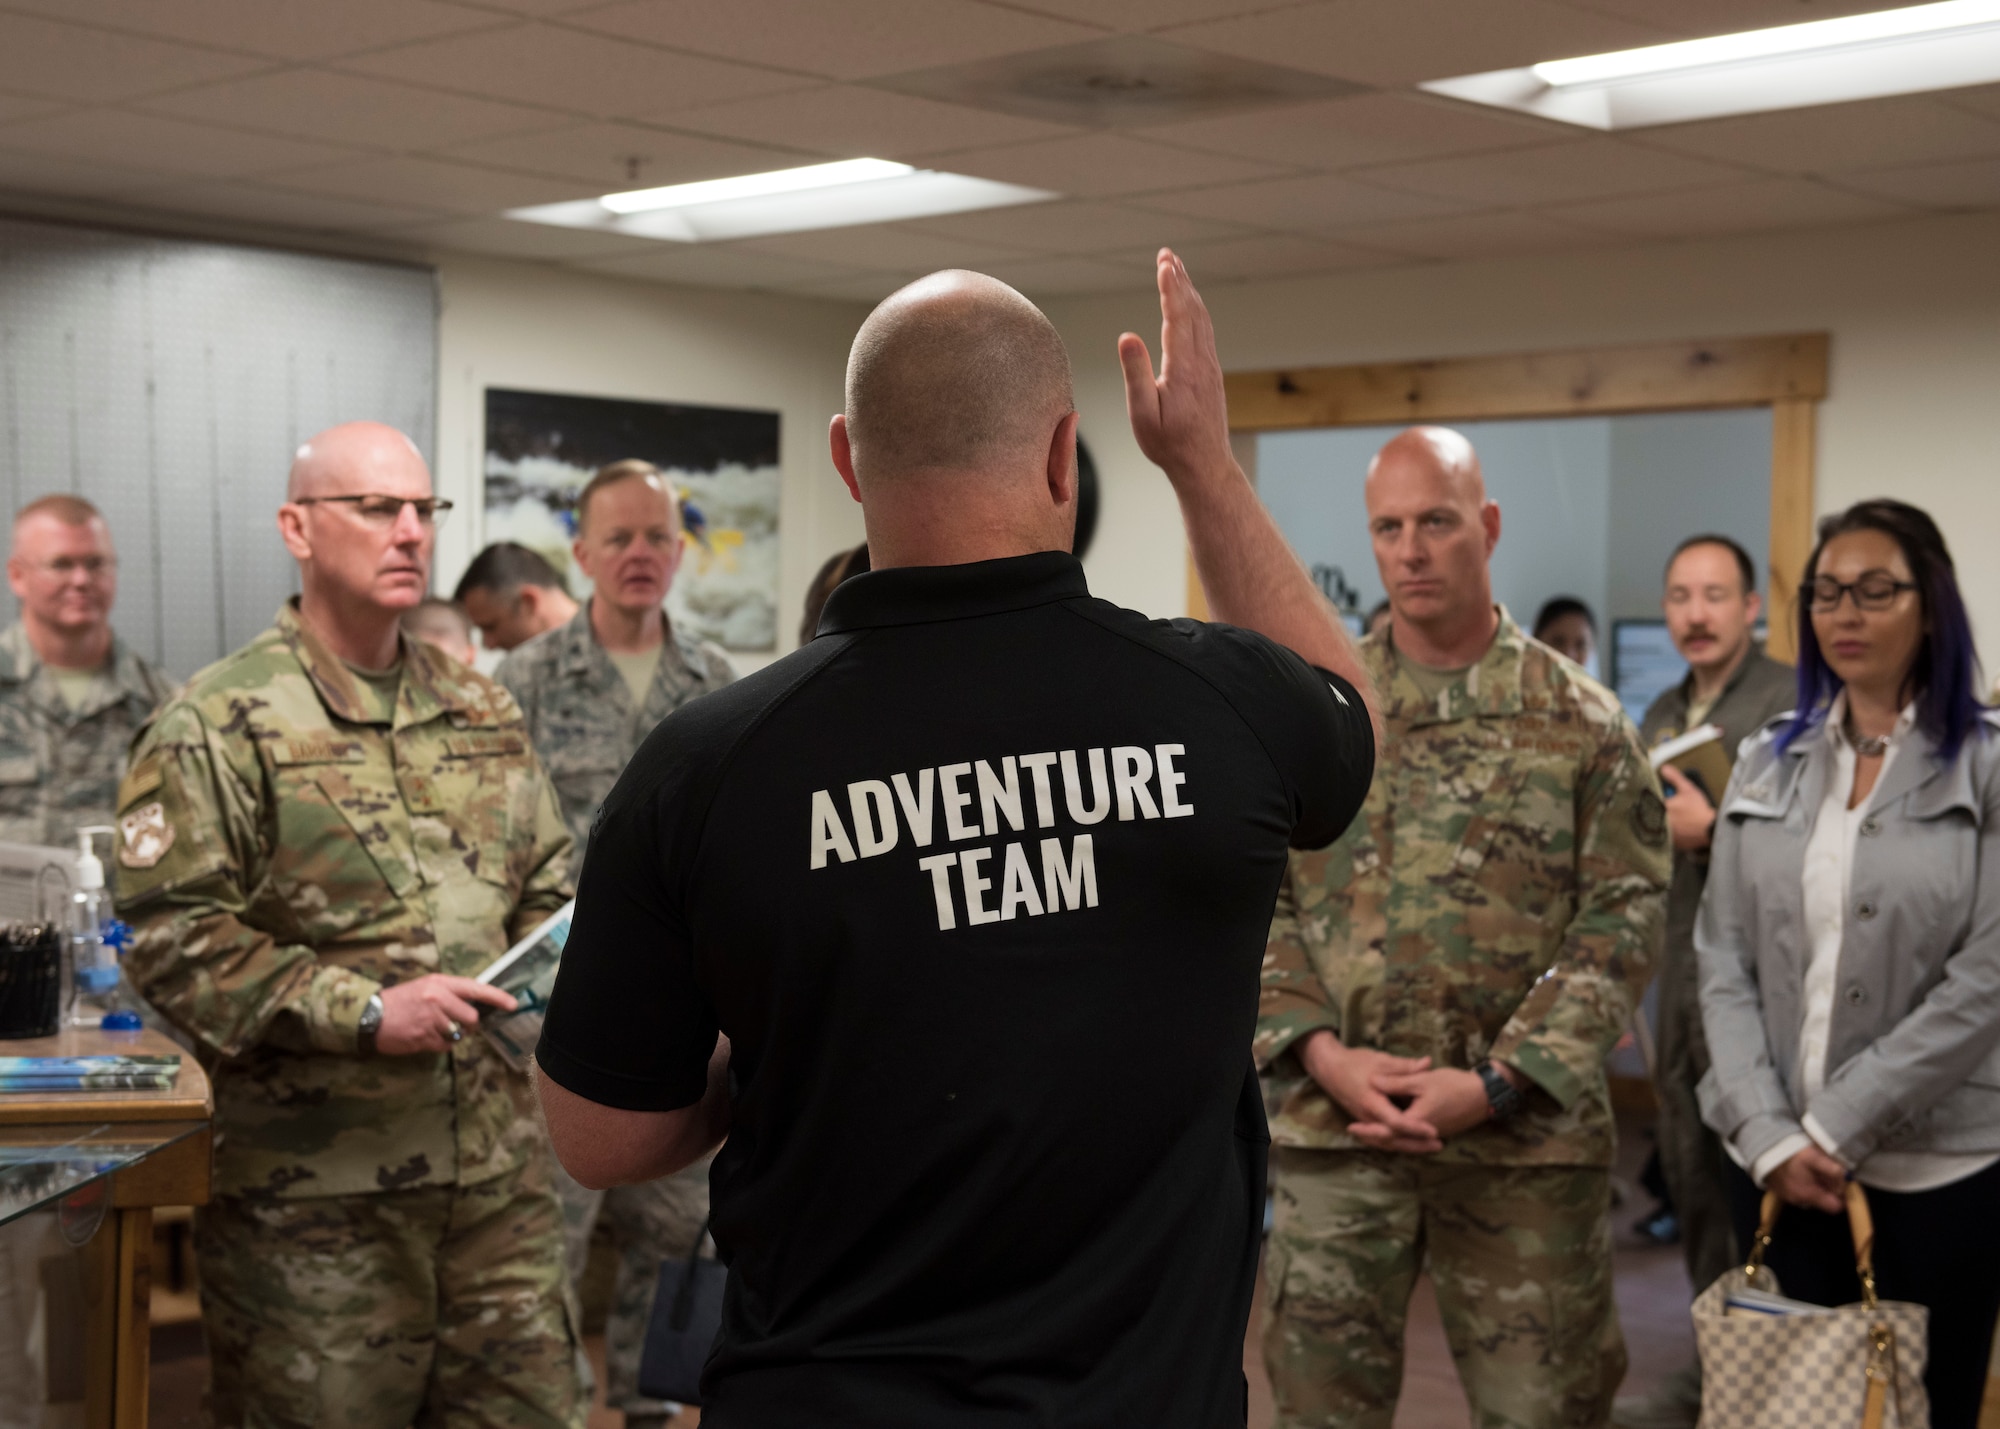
x=427 y=687
x=915 y=595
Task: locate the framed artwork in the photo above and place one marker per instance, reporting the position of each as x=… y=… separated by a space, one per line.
x=541 y=447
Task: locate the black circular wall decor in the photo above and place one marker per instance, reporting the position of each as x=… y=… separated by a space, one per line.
x=1086 y=500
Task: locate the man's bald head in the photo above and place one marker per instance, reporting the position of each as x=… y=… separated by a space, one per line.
x=1437 y=455
x=1433 y=530
x=955 y=373
x=355 y=457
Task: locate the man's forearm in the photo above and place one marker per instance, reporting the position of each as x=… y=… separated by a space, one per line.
x=1253 y=578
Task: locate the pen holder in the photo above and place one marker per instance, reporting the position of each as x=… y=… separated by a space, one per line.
x=30 y=980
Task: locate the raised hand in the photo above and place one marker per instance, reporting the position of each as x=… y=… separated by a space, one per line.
x=1181 y=417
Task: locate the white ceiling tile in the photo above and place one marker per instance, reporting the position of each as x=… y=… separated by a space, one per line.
x=852 y=40
x=622 y=156
x=891 y=247
x=1076 y=227
x=1835 y=137
x=1974 y=184
x=165 y=146
x=281 y=208
x=1053 y=277
x=1393 y=42
x=1735 y=208
x=352 y=109
x=45 y=174
x=565 y=69
x=538 y=8
x=509 y=238
x=861 y=123
x=869 y=288
x=1478 y=235
x=282 y=29
x=1274 y=255
x=1578 y=169
x=436 y=185
x=714 y=265
x=1363 y=129
x=56 y=61
x=1727 y=17
x=1314 y=204
x=1103 y=165
x=1132 y=16
x=14 y=107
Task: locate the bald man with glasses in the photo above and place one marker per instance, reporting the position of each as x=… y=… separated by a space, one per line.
x=71 y=692
x=324 y=838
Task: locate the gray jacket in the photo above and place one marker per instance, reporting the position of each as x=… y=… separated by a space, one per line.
x=1913 y=1053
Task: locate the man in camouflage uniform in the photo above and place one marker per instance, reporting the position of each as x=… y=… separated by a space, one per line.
x=591 y=691
x=71 y=692
x=1711 y=604
x=323 y=837
x=1441 y=989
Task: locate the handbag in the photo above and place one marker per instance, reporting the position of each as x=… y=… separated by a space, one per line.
x=1851 y=1367
x=682 y=1329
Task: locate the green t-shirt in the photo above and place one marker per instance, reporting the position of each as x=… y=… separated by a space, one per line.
x=638 y=668
x=379 y=689
x=73 y=685
x=1431 y=680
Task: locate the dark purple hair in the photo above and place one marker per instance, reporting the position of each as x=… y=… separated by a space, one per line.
x=1946 y=673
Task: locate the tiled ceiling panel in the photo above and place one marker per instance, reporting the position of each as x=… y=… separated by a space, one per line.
x=1302 y=144
x=849 y=40
x=566 y=69
x=281 y=29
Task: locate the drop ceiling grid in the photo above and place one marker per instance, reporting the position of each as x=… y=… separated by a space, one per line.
x=418 y=122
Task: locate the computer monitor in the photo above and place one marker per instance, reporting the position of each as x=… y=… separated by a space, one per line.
x=1644 y=664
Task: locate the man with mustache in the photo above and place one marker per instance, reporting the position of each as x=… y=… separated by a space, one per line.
x=1711 y=604
x=324 y=837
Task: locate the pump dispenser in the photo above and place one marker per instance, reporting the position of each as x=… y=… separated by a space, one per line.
x=93 y=964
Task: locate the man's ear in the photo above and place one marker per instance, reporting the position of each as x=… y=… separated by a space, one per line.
x=1062 y=463
x=1489 y=517
x=292 y=530
x=1753 y=606
x=843 y=453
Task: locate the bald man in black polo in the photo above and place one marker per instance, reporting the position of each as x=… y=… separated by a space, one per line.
x=951 y=921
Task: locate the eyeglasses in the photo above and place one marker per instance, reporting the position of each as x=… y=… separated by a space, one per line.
x=63 y=567
x=1873 y=592
x=386 y=511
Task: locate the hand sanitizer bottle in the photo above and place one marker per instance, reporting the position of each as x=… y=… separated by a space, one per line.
x=93 y=964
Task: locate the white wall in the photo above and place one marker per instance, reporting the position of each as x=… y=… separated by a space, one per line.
x=1914 y=407
x=526 y=325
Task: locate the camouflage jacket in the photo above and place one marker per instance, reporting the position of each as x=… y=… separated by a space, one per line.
x=1499 y=896
x=283 y=857
x=59 y=767
x=580 y=712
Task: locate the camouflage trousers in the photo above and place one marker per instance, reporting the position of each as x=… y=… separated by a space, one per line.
x=656 y=1221
x=1521 y=1260
x=440 y=1307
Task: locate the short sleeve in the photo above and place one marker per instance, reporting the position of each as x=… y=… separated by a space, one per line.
x=627 y=1024
x=1312 y=723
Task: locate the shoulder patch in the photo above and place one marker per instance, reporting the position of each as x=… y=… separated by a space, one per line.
x=145 y=836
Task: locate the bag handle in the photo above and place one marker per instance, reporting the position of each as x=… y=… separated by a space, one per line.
x=683 y=1307
x=1860 y=1225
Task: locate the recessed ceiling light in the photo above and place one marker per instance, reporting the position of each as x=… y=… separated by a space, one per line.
x=1905 y=51
x=783 y=201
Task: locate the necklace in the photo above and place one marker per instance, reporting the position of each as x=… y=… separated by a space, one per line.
x=1868 y=746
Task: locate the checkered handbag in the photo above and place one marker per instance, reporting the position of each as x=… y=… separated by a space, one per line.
x=1856 y=1367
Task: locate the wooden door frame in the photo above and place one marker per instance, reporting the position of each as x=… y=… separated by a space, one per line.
x=1784 y=372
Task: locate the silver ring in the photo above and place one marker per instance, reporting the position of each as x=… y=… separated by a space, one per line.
x=453 y=1031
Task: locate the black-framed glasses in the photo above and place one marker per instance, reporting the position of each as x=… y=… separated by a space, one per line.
x=385 y=511
x=1873 y=592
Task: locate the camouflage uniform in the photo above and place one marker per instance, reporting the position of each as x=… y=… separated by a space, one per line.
x=59 y=767
x=1499 y=896
x=384 y=1248
x=585 y=726
x=1691 y=1155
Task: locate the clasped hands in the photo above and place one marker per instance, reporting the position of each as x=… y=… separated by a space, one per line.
x=1443 y=1101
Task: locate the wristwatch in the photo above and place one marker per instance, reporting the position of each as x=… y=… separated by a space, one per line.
x=369 y=1025
x=1502 y=1095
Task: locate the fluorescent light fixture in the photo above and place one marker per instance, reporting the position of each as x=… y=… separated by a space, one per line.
x=784 y=201
x=1905 y=51
x=778 y=181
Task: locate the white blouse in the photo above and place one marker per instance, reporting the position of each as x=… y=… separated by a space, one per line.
x=1829 y=871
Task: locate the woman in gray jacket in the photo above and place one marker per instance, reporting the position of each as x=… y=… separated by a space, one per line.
x=1850 y=948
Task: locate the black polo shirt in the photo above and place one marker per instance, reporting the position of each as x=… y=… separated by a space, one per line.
x=978 y=884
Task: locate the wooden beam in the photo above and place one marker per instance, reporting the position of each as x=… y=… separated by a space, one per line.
x=1660 y=377
x=1791 y=518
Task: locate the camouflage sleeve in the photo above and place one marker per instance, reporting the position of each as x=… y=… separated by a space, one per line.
x=1565 y=1027
x=1293 y=1001
x=190 y=848
x=547 y=886
x=720 y=669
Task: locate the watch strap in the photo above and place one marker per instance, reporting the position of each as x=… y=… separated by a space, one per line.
x=1501 y=1095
